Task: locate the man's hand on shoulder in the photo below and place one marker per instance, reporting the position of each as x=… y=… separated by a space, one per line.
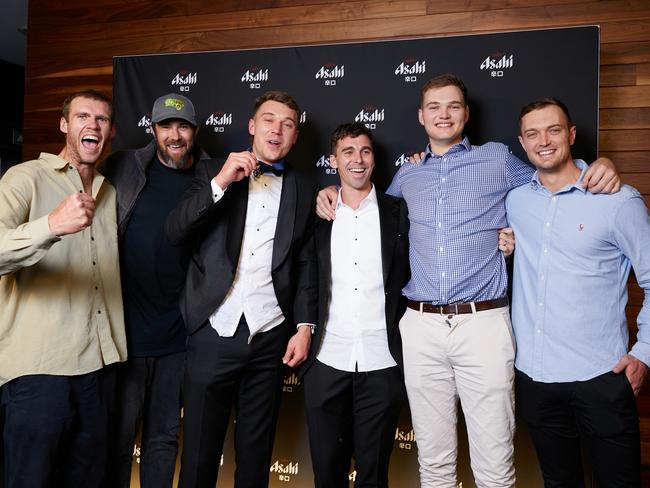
x=602 y=177
x=72 y=215
x=635 y=370
x=326 y=203
x=298 y=347
x=417 y=157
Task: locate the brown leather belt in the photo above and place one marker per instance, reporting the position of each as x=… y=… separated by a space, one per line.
x=458 y=308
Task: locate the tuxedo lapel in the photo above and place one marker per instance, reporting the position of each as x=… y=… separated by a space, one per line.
x=236 y=219
x=389 y=227
x=286 y=219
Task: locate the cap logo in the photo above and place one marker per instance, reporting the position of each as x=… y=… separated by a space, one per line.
x=174 y=102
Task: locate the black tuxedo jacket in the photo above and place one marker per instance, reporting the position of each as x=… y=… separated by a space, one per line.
x=215 y=230
x=394 y=225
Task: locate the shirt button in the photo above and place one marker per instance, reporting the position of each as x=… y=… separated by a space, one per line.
x=539 y=331
x=545 y=251
x=99 y=311
x=440 y=248
x=440 y=200
x=442 y=274
x=439 y=224
x=443 y=179
x=94 y=263
x=548 y=224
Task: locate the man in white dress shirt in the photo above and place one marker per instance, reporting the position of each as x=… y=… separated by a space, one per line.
x=353 y=383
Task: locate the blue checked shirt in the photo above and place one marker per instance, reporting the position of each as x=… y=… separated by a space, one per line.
x=456 y=203
x=573 y=257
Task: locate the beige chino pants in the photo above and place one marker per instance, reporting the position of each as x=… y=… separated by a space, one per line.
x=468 y=357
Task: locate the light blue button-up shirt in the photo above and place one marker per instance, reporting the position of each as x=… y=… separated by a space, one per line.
x=573 y=257
x=456 y=203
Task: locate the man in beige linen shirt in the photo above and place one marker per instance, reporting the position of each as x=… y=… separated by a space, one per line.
x=61 y=317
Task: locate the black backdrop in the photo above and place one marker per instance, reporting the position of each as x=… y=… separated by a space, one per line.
x=377 y=83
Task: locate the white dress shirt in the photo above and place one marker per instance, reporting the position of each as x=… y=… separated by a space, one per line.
x=355 y=331
x=251 y=292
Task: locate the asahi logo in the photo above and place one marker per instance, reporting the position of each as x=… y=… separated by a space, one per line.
x=496 y=63
x=370 y=116
x=324 y=162
x=219 y=120
x=329 y=73
x=255 y=76
x=284 y=470
x=405 y=438
x=404 y=158
x=184 y=79
x=145 y=122
x=290 y=381
x=410 y=69
x=404 y=435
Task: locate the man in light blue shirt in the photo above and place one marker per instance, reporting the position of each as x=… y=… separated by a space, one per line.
x=576 y=381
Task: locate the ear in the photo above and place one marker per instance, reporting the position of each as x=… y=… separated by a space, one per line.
x=420 y=117
x=572 y=135
x=333 y=162
x=251 y=127
x=63 y=125
x=466 y=113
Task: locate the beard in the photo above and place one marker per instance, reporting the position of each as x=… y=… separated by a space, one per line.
x=179 y=162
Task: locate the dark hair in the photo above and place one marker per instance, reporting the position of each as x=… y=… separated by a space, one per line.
x=92 y=95
x=277 y=96
x=355 y=129
x=442 y=81
x=542 y=103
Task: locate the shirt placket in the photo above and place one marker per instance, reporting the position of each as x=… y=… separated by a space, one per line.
x=440 y=206
x=542 y=278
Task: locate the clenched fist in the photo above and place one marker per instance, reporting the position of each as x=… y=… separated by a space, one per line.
x=73 y=214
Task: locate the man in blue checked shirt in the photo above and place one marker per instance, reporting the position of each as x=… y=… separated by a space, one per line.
x=456 y=333
x=576 y=380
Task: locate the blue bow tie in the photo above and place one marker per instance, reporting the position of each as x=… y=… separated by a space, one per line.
x=276 y=168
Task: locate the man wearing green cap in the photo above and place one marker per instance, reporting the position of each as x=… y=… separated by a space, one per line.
x=150 y=182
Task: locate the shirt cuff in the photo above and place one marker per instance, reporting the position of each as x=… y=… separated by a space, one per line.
x=217 y=191
x=41 y=232
x=308 y=324
x=641 y=351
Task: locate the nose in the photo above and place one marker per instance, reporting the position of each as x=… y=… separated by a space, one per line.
x=444 y=112
x=543 y=138
x=174 y=133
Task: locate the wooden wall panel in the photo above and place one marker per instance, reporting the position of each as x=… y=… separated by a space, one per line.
x=71 y=45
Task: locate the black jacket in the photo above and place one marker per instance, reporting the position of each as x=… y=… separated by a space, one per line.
x=216 y=231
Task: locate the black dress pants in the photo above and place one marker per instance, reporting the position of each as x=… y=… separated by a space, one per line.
x=599 y=414
x=352 y=415
x=222 y=373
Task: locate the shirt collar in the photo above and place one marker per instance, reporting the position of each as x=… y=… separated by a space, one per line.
x=536 y=184
x=370 y=199
x=54 y=161
x=463 y=145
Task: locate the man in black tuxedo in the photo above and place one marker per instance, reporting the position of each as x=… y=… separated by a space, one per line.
x=250 y=297
x=352 y=378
